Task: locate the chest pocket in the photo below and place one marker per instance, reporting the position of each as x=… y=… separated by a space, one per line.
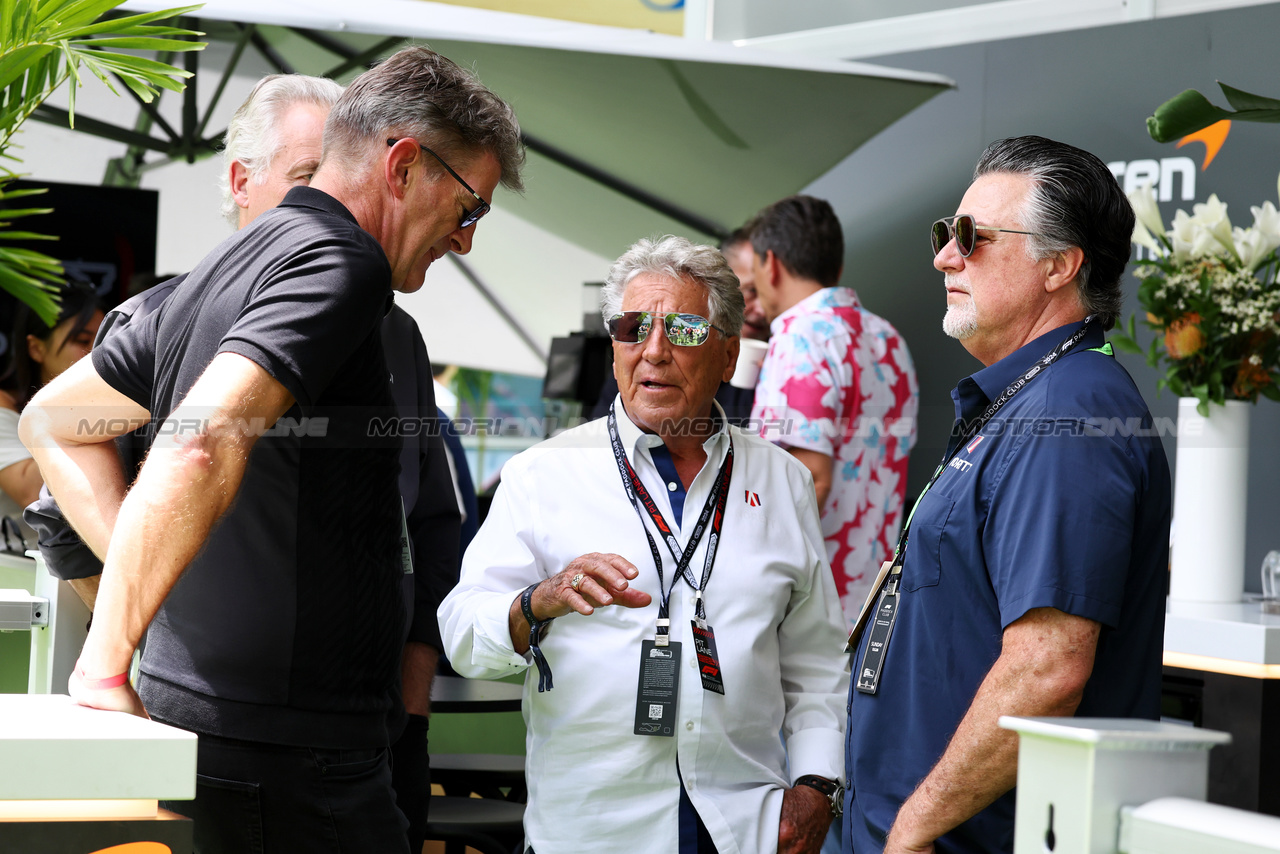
x=923 y=566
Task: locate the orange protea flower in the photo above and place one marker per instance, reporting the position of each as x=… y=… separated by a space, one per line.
x=1153 y=320
x=1249 y=379
x=1183 y=337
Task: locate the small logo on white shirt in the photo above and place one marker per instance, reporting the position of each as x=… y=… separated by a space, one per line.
x=753 y=498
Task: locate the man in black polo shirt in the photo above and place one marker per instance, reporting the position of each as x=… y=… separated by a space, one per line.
x=280 y=642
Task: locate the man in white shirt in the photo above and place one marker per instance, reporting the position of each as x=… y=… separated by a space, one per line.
x=653 y=725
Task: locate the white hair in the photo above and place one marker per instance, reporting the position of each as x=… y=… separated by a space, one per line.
x=681 y=259
x=253 y=135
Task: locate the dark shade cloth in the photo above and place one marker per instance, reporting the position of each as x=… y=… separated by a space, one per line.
x=1059 y=503
x=256 y=799
x=287 y=627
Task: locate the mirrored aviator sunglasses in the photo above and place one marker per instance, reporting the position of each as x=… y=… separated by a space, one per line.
x=962 y=227
x=682 y=330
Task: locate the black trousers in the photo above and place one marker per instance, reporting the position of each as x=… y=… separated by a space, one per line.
x=254 y=798
x=411 y=778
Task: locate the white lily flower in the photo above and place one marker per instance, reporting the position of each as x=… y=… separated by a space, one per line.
x=1184 y=227
x=1146 y=210
x=1142 y=237
x=1251 y=246
x=1205 y=244
x=1266 y=220
x=1213 y=216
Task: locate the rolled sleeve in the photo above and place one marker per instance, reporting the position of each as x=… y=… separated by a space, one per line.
x=1036 y=555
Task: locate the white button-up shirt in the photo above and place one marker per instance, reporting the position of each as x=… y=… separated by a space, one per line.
x=593 y=784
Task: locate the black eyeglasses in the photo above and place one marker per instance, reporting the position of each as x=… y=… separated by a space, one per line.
x=683 y=330
x=470 y=217
x=964 y=229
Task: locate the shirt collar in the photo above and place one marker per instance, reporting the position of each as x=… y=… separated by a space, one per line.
x=634 y=439
x=996 y=378
x=310 y=197
x=835 y=296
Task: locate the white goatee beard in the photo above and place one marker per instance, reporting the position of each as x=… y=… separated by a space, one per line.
x=961 y=321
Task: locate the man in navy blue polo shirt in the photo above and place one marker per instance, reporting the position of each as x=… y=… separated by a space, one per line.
x=1033 y=574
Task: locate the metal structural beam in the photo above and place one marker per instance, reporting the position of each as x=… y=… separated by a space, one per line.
x=190 y=142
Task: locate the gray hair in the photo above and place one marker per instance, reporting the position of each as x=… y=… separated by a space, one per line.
x=682 y=259
x=1074 y=201
x=253 y=134
x=419 y=93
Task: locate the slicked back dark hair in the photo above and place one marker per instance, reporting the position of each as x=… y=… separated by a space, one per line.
x=804 y=234
x=1074 y=201
x=419 y=93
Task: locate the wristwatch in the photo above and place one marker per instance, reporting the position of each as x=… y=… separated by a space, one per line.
x=831 y=788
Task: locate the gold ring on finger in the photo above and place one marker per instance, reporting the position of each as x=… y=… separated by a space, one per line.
x=577 y=580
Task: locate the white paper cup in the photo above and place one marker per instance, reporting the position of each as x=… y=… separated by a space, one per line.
x=750 y=357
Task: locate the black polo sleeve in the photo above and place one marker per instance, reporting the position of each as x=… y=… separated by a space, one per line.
x=126 y=360
x=306 y=318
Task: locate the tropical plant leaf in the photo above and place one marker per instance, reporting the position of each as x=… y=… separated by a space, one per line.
x=24 y=235
x=140 y=43
x=18 y=213
x=1244 y=101
x=7 y=194
x=1189 y=111
x=126 y=24
x=37 y=293
x=44 y=44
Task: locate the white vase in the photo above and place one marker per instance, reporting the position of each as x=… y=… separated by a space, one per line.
x=1209 y=502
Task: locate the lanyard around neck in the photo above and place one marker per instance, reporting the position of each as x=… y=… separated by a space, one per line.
x=712 y=512
x=968 y=431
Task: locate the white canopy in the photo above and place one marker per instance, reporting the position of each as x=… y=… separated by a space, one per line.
x=630 y=134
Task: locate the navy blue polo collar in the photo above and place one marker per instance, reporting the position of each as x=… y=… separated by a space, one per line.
x=973 y=393
x=310 y=197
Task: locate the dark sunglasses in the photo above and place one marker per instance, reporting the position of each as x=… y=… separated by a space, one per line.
x=682 y=330
x=964 y=230
x=470 y=217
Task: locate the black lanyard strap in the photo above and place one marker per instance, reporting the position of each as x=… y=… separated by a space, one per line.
x=712 y=512
x=966 y=432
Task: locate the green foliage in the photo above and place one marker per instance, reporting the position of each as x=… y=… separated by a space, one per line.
x=43 y=44
x=1190 y=111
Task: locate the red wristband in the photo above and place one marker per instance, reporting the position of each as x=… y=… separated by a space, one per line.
x=102 y=684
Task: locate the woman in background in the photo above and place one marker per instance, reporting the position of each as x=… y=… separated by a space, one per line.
x=38 y=353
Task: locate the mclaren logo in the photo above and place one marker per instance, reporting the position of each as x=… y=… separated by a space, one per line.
x=1167 y=172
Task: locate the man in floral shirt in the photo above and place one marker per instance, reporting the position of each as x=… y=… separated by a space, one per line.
x=837 y=389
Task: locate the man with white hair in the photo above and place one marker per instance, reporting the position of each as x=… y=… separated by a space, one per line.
x=667 y=574
x=272 y=144
x=280 y=642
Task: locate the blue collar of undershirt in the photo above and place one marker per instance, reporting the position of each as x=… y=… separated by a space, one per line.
x=666 y=466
